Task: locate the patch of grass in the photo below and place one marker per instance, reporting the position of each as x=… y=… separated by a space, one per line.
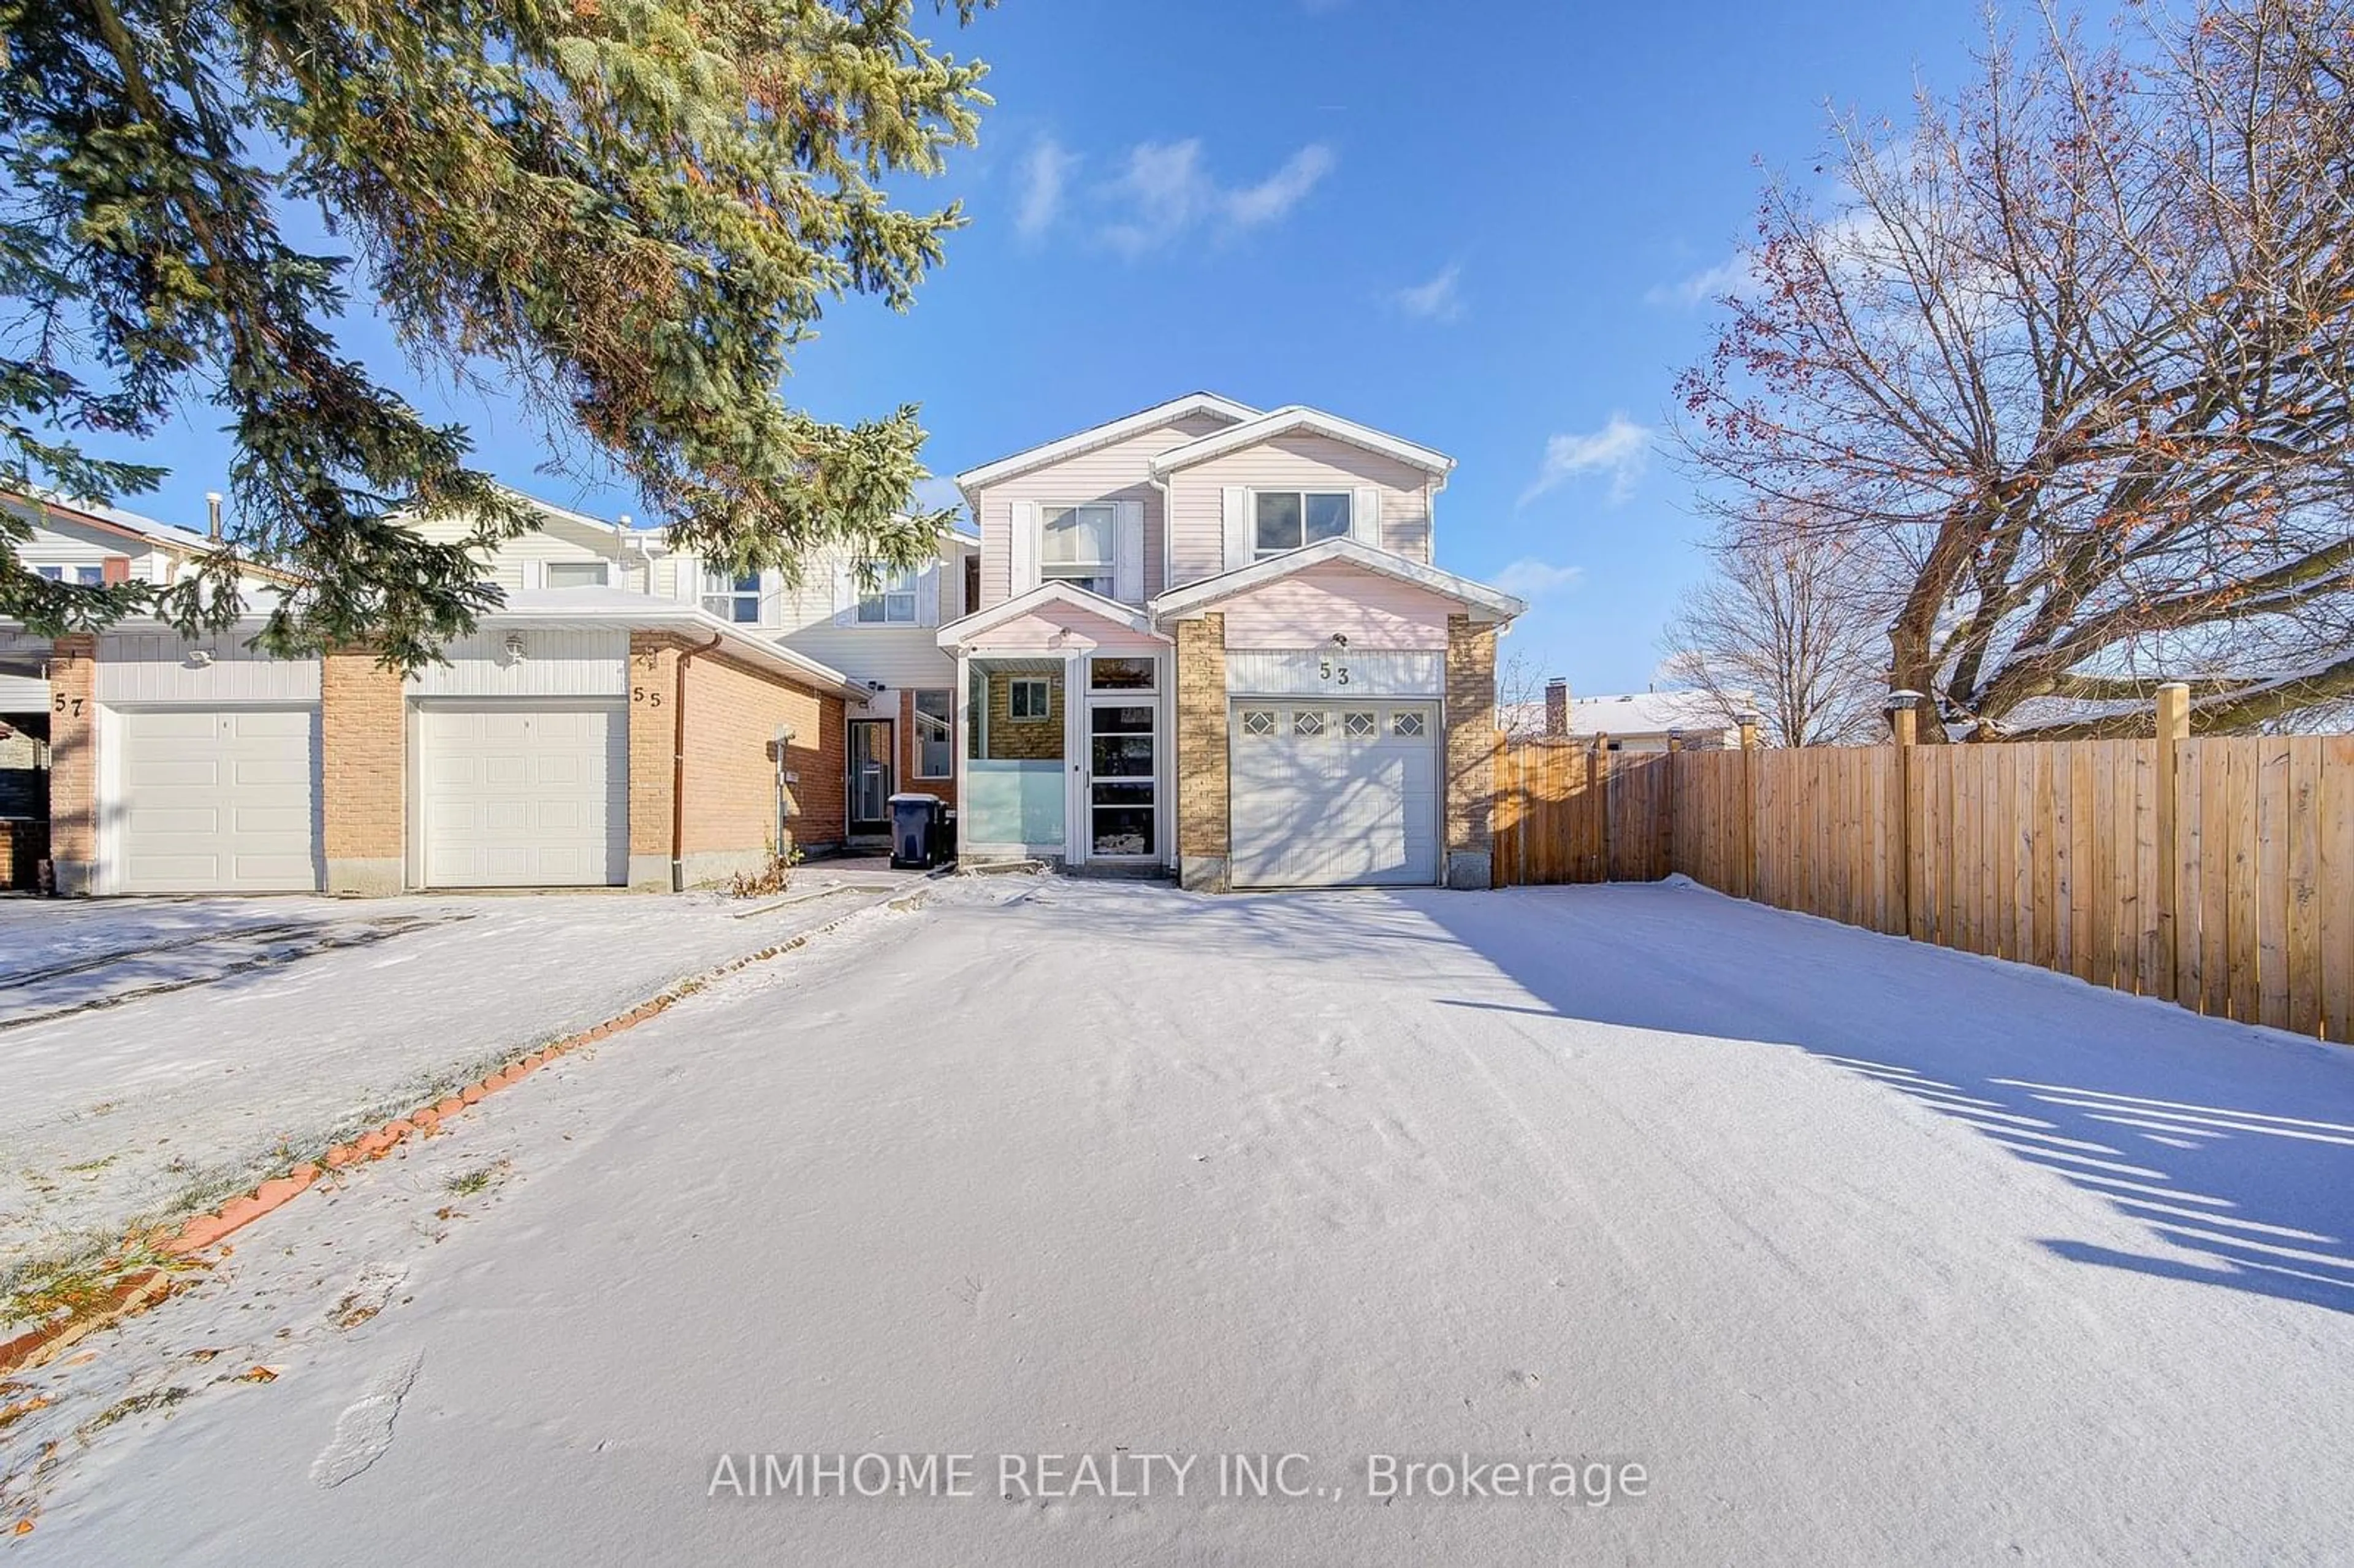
x=91 y=1167
x=136 y=1405
x=79 y=1283
x=466 y=1184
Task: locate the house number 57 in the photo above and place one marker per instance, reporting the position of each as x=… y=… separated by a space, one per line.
x=1328 y=670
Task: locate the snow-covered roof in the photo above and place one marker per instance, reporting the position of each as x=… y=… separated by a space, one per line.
x=590 y=608
x=966 y=628
x=1646 y=712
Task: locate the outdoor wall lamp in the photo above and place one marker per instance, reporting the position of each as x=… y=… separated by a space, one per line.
x=1340 y=639
x=200 y=658
x=516 y=647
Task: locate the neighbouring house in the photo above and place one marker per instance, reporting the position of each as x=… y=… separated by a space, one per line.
x=1202 y=638
x=1634 y=721
x=587 y=734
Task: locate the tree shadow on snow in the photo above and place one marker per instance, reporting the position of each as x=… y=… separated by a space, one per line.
x=2233 y=1144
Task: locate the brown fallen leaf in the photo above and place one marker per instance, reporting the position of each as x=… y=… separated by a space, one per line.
x=259 y=1375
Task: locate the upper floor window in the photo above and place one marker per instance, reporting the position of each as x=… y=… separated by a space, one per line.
x=577 y=573
x=732 y=597
x=891 y=599
x=1074 y=546
x=88 y=577
x=1289 y=519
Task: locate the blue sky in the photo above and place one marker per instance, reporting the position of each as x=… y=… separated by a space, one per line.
x=1485 y=230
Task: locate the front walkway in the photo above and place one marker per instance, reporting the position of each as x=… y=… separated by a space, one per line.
x=1867 y=1253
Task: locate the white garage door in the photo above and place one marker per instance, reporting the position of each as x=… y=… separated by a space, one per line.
x=524 y=795
x=1334 y=794
x=218 y=799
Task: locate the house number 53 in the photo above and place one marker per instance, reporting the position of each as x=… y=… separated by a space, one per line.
x=1328 y=670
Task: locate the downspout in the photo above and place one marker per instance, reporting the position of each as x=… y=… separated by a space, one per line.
x=1159 y=482
x=678 y=763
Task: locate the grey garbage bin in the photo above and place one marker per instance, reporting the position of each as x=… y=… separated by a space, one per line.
x=915 y=836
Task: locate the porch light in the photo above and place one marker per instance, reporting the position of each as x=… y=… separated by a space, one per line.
x=515 y=647
x=200 y=658
x=1340 y=639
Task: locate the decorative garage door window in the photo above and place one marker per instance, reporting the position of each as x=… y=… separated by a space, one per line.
x=1258 y=721
x=1405 y=723
x=1358 y=723
x=1306 y=721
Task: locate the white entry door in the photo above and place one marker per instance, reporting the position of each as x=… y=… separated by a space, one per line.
x=217 y=800
x=521 y=794
x=1328 y=794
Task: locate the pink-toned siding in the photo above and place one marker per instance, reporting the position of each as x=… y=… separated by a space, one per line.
x=1305 y=609
x=1296 y=461
x=1034 y=633
x=1107 y=473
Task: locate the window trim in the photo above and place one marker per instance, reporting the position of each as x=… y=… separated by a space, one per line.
x=948 y=741
x=883 y=595
x=1349 y=525
x=722 y=601
x=1046 y=686
x=1099 y=577
x=74 y=576
x=604 y=570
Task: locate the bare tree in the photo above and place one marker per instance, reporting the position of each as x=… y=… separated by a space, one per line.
x=1520 y=697
x=2075 y=352
x=1785 y=625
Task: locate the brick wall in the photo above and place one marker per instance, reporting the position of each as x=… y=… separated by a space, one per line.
x=1470 y=752
x=1024 y=740
x=363 y=752
x=1201 y=787
x=732 y=711
x=73 y=761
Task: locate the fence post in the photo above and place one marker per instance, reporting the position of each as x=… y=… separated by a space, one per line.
x=2173 y=725
x=1903 y=720
x=1598 y=780
x=1747 y=721
x=1664 y=806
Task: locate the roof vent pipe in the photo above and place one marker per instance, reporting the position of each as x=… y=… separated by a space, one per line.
x=212 y=507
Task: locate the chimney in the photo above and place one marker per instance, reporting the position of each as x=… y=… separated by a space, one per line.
x=1557 y=708
x=212 y=508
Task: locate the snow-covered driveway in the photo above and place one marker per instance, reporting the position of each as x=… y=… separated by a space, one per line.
x=1865 y=1253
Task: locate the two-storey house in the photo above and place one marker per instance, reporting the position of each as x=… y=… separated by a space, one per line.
x=1212 y=639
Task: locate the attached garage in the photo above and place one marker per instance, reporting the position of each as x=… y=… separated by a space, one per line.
x=1333 y=794
x=523 y=793
x=217 y=800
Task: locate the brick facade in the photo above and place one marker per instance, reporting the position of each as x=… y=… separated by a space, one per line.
x=732 y=711
x=1470 y=756
x=362 y=759
x=1202 y=848
x=1024 y=740
x=73 y=761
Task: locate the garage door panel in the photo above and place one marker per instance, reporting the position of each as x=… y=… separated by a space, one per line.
x=217 y=800
x=1333 y=794
x=523 y=795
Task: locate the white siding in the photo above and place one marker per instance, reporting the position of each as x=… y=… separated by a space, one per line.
x=1335 y=673
x=555 y=664
x=141 y=668
x=1306 y=609
x=1295 y=461
x=519 y=563
x=899 y=656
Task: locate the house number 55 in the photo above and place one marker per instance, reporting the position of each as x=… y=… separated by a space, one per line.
x=1328 y=670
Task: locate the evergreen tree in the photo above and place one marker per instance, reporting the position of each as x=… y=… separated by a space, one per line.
x=631 y=211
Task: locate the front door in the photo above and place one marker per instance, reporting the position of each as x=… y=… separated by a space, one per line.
x=870 y=776
x=1123 y=820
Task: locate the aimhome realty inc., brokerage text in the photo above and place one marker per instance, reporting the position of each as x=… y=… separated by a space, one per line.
x=1122 y=1473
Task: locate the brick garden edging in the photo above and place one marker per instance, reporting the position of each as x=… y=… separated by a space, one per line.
x=137 y=1291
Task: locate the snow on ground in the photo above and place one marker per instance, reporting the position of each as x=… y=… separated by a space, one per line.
x=1866 y=1252
x=155 y=1050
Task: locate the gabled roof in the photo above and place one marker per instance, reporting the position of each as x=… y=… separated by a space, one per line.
x=109 y=520
x=1196 y=597
x=1297 y=417
x=1103 y=435
x=1046 y=596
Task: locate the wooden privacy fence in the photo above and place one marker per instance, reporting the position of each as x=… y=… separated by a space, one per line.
x=2216 y=873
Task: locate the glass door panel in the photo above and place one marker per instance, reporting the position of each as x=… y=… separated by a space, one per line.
x=1122 y=794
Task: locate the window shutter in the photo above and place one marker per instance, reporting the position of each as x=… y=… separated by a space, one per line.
x=1237 y=501
x=114 y=569
x=1365 y=516
x=928 y=596
x=846 y=592
x=1024 y=542
x=1128 y=553
x=535 y=574
x=687 y=578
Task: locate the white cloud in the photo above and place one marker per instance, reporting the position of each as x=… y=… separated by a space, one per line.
x=1730 y=276
x=1532 y=579
x=1164 y=192
x=1045 y=172
x=1437 y=299
x=1621 y=449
